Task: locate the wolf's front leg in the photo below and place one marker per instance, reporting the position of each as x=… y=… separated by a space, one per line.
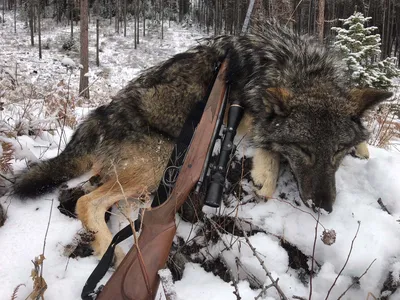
x=362 y=150
x=265 y=171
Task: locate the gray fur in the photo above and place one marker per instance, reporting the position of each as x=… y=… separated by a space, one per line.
x=312 y=125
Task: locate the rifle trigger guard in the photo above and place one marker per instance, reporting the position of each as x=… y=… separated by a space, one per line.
x=170 y=175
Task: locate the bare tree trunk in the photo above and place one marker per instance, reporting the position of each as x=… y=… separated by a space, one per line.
x=71 y=7
x=215 y=17
x=144 y=17
x=31 y=22
x=207 y=19
x=97 y=43
x=321 y=19
x=15 y=16
x=56 y=10
x=110 y=10
x=390 y=31
x=162 y=19
x=248 y=17
x=138 y=19
x=117 y=17
x=135 y=28
x=125 y=18
x=34 y=18
x=169 y=16
x=39 y=11
x=84 y=39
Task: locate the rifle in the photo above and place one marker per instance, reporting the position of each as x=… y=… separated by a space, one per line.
x=137 y=275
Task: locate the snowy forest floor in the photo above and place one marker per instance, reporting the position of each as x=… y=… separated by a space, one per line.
x=36 y=93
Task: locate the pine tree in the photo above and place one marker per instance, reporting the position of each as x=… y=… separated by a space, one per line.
x=361 y=48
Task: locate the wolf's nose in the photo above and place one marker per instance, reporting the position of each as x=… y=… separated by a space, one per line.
x=328 y=207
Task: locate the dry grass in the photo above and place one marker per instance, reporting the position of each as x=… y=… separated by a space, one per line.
x=384 y=124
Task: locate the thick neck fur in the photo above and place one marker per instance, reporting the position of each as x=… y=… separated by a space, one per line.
x=280 y=58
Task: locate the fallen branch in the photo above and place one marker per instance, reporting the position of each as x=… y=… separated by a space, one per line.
x=167 y=284
x=234 y=281
x=298 y=297
x=274 y=282
x=383 y=206
x=251 y=278
x=313 y=254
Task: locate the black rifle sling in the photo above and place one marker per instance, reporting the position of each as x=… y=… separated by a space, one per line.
x=165 y=187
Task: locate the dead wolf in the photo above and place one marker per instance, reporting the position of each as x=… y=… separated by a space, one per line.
x=297 y=102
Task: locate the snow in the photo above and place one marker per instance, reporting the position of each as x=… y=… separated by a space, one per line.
x=198 y=284
x=67 y=62
x=360 y=183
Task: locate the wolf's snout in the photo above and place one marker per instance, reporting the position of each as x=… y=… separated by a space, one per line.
x=318 y=192
x=324 y=199
x=327 y=206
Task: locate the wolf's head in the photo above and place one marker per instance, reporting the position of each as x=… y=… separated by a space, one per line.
x=314 y=130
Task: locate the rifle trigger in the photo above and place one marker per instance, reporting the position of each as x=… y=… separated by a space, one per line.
x=170 y=176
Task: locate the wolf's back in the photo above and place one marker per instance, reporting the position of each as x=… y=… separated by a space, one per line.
x=75 y=160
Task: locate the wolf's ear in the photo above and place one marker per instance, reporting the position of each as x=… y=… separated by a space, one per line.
x=279 y=98
x=367 y=98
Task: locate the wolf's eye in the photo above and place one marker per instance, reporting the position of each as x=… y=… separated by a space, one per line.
x=305 y=150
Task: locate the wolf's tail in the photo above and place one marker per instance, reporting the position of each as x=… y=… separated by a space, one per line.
x=75 y=160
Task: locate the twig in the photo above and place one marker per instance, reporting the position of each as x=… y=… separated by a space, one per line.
x=313 y=253
x=65 y=116
x=254 y=280
x=47 y=231
x=94 y=81
x=351 y=285
x=264 y=290
x=234 y=281
x=274 y=282
x=5 y=178
x=298 y=297
x=294 y=11
x=306 y=212
x=348 y=257
x=239 y=197
x=135 y=236
x=383 y=206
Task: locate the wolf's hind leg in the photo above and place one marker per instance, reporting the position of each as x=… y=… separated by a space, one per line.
x=91 y=209
x=265 y=171
x=137 y=172
x=362 y=150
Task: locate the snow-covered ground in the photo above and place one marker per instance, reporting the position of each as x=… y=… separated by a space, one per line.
x=360 y=183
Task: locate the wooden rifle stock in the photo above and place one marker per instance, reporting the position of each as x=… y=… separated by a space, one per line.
x=136 y=278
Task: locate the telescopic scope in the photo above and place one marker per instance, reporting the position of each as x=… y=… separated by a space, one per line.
x=216 y=187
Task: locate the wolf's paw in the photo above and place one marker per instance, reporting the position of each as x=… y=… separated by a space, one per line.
x=361 y=151
x=258 y=176
x=267 y=190
x=265 y=172
x=81 y=245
